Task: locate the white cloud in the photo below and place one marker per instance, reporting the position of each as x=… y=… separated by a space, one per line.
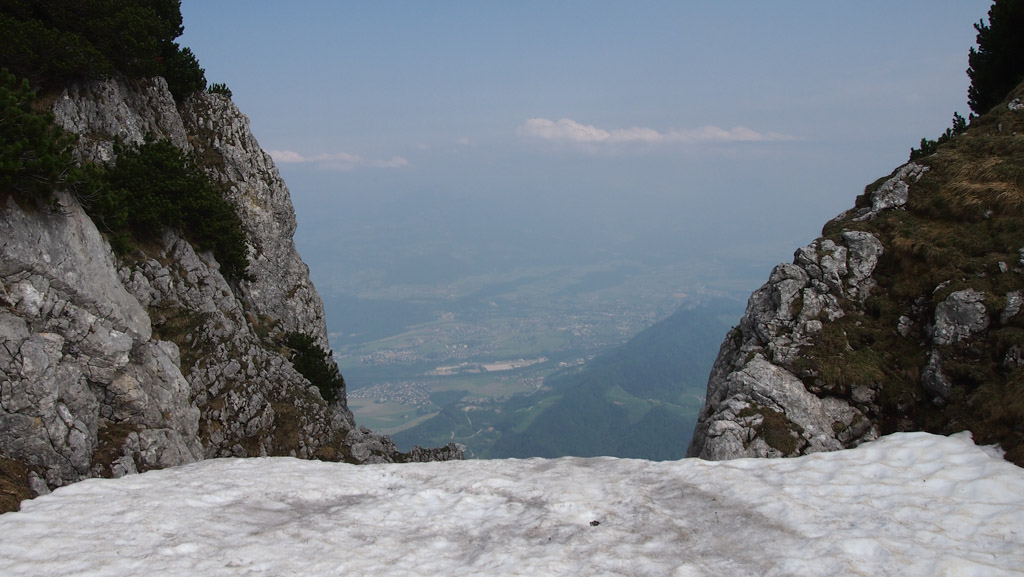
x=287 y=156
x=336 y=161
x=568 y=130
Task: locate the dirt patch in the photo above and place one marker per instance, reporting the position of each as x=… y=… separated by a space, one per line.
x=14 y=487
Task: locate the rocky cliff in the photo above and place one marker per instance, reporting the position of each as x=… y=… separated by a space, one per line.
x=905 y=315
x=111 y=365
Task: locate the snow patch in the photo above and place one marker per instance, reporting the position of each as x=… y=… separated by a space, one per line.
x=907 y=504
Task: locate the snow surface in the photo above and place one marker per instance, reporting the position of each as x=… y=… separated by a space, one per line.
x=907 y=504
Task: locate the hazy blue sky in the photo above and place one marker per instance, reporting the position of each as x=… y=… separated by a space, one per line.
x=740 y=127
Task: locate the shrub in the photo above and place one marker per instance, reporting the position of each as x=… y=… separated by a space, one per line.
x=182 y=72
x=997 y=65
x=219 y=88
x=47 y=56
x=53 y=42
x=314 y=363
x=155 y=186
x=929 y=147
x=35 y=154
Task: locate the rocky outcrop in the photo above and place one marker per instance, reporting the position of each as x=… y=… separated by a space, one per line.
x=961 y=315
x=905 y=315
x=756 y=405
x=126 y=110
x=77 y=361
x=893 y=193
x=112 y=366
x=281 y=288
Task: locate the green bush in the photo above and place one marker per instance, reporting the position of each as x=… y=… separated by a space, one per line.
x=35 y=154
x=997 y=65
x=929 y=147
x=53 y=42
x=219 y=88
x=156 y=186
x=182 y=72
x=314 y=363
x=46 y=56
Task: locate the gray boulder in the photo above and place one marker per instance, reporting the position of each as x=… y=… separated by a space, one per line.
x=961 y=315
x=894 y=192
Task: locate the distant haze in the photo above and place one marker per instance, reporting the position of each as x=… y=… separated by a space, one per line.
x=727 y=132
x=531 y=184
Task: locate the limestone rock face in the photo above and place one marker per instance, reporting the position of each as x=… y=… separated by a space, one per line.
x=281 y=289
x=904 y=316
x=77 y=358
x=767 y=412
x=111 y=366
x=756 y=404
x=894 y=192
x=100 y=112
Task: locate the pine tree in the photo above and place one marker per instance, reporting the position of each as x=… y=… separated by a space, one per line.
x=35 y=154
x=997 y=65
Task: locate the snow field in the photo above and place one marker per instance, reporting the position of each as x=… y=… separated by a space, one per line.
x=907 y=504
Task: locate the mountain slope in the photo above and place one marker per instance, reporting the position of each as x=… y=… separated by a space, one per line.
x=156 y=356
x=905 y=315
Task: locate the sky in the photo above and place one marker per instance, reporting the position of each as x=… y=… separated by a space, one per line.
x=729 y=129
x=907 y=505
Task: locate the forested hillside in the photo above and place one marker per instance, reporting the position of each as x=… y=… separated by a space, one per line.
x=638 y=400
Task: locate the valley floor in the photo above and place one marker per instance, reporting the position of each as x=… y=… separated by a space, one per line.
x=907 y=504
